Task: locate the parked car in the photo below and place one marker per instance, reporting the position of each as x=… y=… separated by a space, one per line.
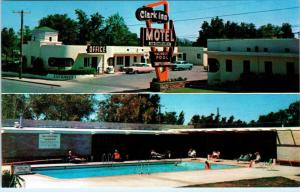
x=110 y=70
x=181 y=65
x=138 y=68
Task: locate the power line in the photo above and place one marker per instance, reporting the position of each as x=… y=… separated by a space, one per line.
x=226 y=15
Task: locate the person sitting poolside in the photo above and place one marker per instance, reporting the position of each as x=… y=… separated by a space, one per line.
x=192 y=153
x=215 y=155
x=255 y=160
x=74 y=159
x=117 y=156
x=155 y=155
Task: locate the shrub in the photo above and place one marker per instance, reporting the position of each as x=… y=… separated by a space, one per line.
x=72 y=72
x=11 y=180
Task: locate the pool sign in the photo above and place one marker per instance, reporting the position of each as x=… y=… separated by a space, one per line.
x=146 y=13
x=158 y=37
x=160 y=56
x=49 y=141
x=21 y=169
x=95 y=49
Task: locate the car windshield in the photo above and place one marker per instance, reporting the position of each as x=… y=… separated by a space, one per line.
x=140 y=65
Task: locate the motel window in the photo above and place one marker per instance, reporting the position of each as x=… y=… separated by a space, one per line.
x=256 y=49
x=135 y=59
x=286 y=50
x=266 y=50
x=248 y=49
x=246 y=66
x=290 y=68
x=228 y=65
x=198 y=56
x=86 y=62
x=228 y=48
x=179 y=56
x=60 y=62
x=120 y=60
x=142 y=59
x=268 y=67
x=50 y=38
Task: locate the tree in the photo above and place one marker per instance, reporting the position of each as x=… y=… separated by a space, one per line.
x=66 y=27
x=180 y=119
x=14 y=105
x=9 y=42
x=90 y=29
x=286 y=31
x=169 y=118
x=62 y=107
x=130 y=108
x=117 y=33
x=184 y=42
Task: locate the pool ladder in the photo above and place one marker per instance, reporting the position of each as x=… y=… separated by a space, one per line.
x=107 y=158
x=143 y=167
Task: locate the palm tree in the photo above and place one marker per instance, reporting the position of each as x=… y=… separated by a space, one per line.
x=11 y=180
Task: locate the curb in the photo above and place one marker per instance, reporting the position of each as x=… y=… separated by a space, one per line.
x=31 y=82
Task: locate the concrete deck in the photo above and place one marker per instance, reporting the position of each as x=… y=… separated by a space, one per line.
x=173 y=179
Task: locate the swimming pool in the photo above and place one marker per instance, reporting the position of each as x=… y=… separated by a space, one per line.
x=71 y=172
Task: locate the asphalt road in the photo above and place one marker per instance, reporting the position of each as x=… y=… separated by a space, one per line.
x=100 y=84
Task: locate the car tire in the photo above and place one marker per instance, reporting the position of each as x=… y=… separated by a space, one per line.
x=135 y=72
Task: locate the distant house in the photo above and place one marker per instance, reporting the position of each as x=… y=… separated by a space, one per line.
x=54 y=55
x=229 y=58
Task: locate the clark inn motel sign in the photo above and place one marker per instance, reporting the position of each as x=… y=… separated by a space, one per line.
x=154 y=37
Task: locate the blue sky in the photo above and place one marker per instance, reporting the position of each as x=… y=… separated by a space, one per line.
x=246 y=107
x=178 y=10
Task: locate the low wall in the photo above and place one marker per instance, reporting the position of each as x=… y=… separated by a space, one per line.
x=48 y=76
x=165 y=86
x=25 y=146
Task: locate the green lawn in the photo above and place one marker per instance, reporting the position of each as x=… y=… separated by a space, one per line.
x=192 y=90
x=262 y=182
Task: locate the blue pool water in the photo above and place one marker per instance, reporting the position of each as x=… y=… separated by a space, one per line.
x=123 y=169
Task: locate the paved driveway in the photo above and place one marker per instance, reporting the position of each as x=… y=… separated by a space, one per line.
x=101 y=84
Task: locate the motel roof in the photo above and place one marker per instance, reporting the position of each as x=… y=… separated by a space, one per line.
x=45 y=29
x=32 y=126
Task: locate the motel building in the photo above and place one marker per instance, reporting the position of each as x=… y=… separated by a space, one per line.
x=193 y=55
x=49 y=141
x=45 y=45
x=229 y=58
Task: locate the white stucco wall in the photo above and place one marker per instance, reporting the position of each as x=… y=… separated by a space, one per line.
x=191 y=55
x=217 y=49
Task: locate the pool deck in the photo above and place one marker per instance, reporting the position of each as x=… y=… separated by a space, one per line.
x=170 y=179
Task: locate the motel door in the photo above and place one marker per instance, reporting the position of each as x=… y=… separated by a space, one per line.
x=127 y=61
x=95 y=62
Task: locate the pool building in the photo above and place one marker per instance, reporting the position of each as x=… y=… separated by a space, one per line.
x=51 y=141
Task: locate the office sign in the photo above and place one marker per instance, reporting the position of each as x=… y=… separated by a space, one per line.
x=160 y=56
x=21 y=169
x=157 y=37
x=95 y=49
x=49 y=141
x=147 y=13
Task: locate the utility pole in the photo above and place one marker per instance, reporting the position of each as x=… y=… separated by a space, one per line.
x=21 y=49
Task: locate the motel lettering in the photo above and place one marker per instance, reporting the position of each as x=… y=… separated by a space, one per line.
x=145 y=13
x=157 y=37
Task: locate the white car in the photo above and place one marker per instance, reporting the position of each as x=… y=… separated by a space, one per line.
x=139 y=68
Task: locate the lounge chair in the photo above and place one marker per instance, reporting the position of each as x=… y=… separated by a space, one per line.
x=246 y=157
